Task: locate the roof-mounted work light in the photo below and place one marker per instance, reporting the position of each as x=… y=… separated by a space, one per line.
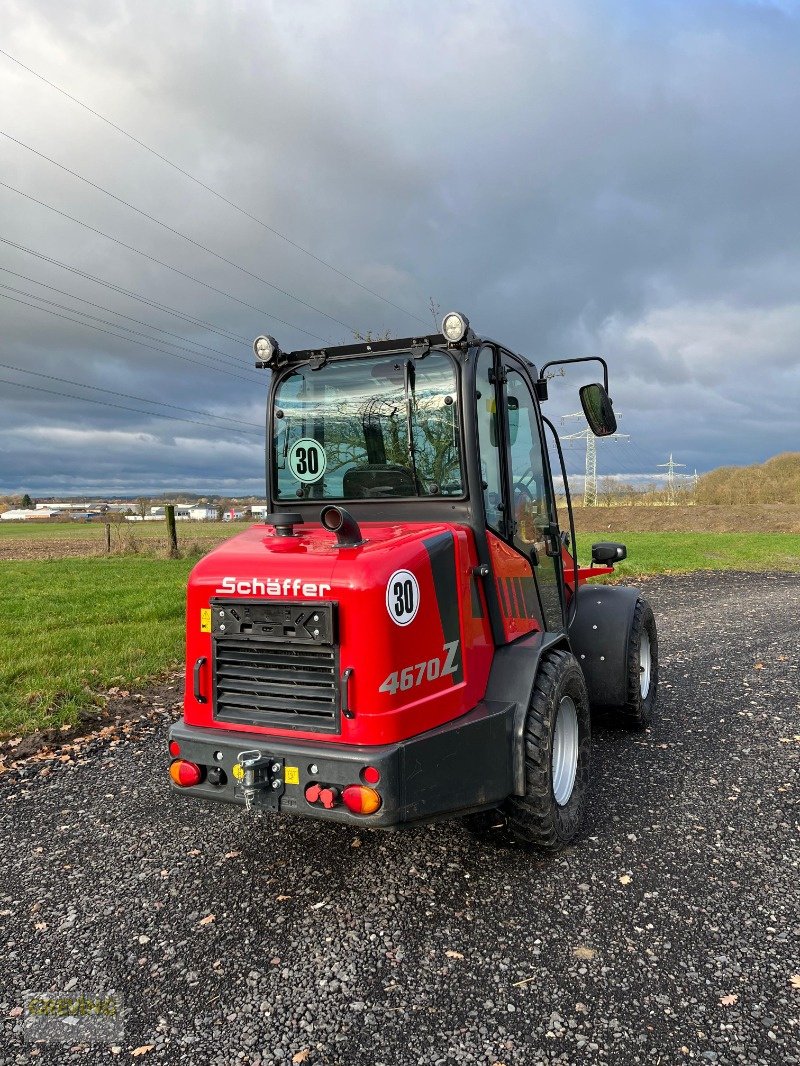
x=455 y=327
x=267 y=351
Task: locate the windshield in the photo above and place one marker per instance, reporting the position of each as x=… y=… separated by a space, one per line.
x=369 y=428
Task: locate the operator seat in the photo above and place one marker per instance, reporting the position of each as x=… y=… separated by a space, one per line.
x=379 y=479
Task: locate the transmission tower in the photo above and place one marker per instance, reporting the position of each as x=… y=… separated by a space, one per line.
x=590 y=478
x=671 y=467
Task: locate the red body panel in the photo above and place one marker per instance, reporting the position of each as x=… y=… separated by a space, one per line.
x=516 y=590
x=311 y=566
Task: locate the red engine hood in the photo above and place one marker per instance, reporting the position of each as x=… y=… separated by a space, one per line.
x=312 y=558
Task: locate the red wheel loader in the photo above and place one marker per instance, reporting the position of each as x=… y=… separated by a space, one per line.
x=409 y=636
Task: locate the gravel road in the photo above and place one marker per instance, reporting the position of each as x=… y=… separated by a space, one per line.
x=667 y=934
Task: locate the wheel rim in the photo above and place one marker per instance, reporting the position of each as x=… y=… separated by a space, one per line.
x=645 y=661
x=565 y=751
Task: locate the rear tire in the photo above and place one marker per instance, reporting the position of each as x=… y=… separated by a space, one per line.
x=558 y=743
x=642 y=669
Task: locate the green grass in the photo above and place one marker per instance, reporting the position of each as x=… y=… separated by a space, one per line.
x=663 y=553
x=74 y=627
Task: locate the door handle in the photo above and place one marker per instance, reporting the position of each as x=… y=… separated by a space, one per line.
x=198 y=666
x=552 y=541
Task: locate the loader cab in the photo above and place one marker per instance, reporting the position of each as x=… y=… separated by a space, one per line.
x=446 y=427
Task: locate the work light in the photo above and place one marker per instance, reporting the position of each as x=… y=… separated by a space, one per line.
x=266 y=349
x=455 y=326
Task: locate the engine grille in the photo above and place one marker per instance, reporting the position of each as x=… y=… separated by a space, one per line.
x=270 y=669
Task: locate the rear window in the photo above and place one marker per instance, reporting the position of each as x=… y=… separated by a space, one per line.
x=368 y=429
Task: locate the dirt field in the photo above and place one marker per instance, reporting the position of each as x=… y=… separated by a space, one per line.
x=760 y=518
x=63 y=540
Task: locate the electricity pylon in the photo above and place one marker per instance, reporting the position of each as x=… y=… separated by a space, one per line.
x=590 y=478
x=671 y=467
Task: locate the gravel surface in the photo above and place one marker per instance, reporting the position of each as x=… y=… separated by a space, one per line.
x=668 y=933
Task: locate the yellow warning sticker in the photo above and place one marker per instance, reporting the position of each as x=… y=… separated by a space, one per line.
x=205 y=619
x=291 y=775
x=238 y=771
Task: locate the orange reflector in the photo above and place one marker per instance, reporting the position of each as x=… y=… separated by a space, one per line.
x=361 y=800
x=185 y=773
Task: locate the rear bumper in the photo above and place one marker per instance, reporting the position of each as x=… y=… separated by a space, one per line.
x=460 y=767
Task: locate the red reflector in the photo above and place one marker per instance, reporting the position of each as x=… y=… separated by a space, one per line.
x=370 y=775
x=185 y=773
x=361 y=800
x=174 y=748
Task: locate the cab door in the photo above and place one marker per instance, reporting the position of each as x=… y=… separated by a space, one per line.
x=517 y=498
x=534 y=525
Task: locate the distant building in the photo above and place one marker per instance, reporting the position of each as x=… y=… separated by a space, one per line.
x=204 y=513
x=24 y=515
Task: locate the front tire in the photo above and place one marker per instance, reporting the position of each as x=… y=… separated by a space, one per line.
x=558 y=742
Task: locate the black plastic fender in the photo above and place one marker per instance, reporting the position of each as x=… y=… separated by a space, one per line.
x=599 y=637
x=511 y=681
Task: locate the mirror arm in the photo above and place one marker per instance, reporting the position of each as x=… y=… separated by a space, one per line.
x=580 y=359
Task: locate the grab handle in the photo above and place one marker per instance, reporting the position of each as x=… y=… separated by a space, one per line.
x=198 y=666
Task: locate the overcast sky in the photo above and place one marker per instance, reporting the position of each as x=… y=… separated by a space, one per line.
x=621 y=178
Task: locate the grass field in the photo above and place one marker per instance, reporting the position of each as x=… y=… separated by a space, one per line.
x=659 y=553
x=74 y=627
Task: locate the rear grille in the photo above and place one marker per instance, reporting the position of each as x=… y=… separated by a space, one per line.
x=270 y=669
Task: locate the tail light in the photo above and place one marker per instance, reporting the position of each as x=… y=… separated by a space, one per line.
x=185 y=773
x=359 y=799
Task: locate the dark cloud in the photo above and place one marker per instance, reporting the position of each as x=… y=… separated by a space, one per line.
x=612 y=177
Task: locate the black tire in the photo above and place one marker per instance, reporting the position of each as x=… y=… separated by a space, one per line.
x=637 y=712
x=537 y=818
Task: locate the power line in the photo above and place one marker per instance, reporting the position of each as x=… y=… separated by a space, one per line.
x=671 y=467
x=118 y=406
x=129 y=396
x=208 y=188
x=102 y=307
x=178 y=233
x=590 y=475
x=164 y=351
x=160 y=262
x=227 y=334
x=135 y=332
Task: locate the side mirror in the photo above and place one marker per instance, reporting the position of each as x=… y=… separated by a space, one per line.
x=606 y=553
x=597 y=407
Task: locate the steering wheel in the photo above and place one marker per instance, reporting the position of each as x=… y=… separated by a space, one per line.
x=522 y=488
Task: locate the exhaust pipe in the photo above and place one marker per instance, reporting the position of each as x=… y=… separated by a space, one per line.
x=339 y=521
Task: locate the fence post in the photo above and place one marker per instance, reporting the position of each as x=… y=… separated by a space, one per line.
x=169 y=513
x=108 y=538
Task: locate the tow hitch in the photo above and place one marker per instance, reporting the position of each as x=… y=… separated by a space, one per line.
x=261 y=779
